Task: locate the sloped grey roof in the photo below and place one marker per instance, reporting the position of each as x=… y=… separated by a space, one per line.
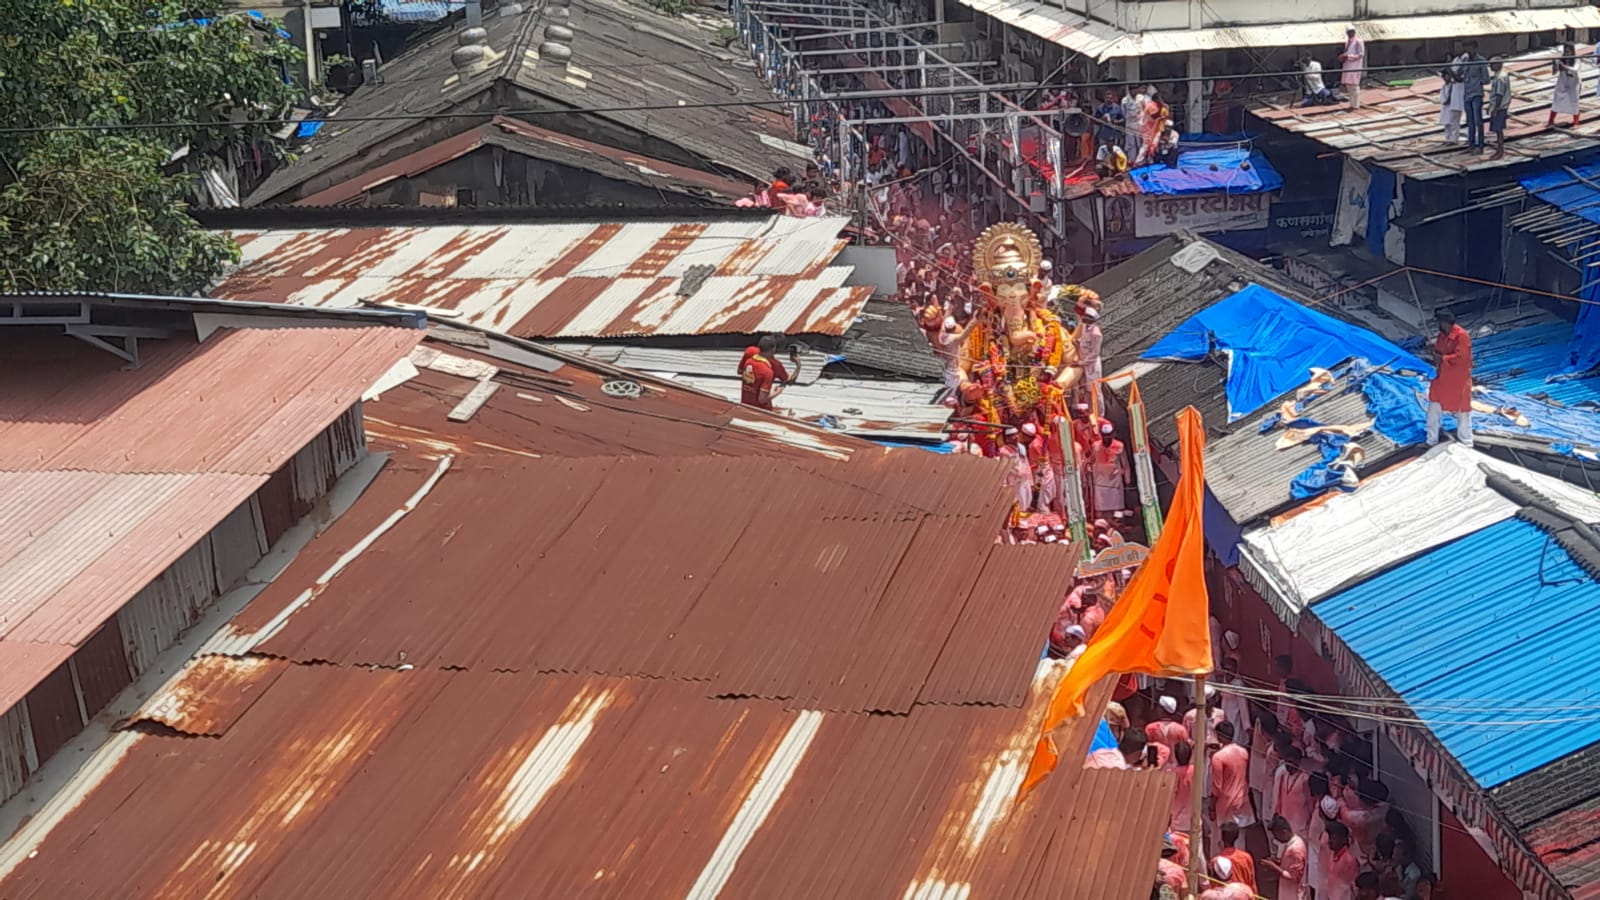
x=623 y=56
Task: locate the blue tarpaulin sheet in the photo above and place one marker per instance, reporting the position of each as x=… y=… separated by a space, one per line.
x=1102 y=738
x=308 y=128
x=1272 y=343
x=1576 y=426
x=1221 y=531
x=1230 y=170
x=1574 y=193
x=1397 y=404
x=1380 y=191
x=1320 y=476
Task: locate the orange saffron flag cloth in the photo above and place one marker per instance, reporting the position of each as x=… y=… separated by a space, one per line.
x=1160 y=625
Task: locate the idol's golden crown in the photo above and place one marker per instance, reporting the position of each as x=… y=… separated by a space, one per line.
x=1006 y=253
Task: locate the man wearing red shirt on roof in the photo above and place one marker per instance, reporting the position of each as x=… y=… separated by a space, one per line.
x=1451 y=391
x=762 y=377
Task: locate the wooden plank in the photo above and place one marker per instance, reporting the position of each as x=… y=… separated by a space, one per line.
x=474 y=400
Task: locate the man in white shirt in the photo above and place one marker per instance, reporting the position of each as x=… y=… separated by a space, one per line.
x=1317 y=93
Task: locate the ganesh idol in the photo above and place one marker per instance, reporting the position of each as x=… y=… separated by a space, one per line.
x=1018 y=363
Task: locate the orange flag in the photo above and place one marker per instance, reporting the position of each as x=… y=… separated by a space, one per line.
x=1161 y=623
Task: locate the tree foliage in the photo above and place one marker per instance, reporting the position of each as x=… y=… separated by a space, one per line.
x=99 y=94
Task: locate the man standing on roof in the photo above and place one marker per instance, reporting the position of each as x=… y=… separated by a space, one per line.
x=762 y=377
x=1351 y=60
x=1451 y=391
x=1499 y=104
x=1474 y=71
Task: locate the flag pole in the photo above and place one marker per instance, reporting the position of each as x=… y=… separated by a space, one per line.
x=1197 y=798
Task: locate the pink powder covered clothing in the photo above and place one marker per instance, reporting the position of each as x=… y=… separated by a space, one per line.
x=1230 y=785
x=1292 y=870
x=1107 y=758
x=1339 y=874
x=1182 y=800
x=1294 y=799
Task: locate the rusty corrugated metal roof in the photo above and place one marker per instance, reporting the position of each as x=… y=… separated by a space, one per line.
x=1398 y=128
x=571 y=280
x=358 y=782
x=733 y=554
x=534 y=657
x=109 y=474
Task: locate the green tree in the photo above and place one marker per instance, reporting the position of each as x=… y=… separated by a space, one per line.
x=91 y=91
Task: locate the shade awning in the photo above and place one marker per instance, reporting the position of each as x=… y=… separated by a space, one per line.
x=1104 y=41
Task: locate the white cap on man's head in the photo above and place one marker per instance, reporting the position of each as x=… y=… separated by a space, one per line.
x=1168 y=704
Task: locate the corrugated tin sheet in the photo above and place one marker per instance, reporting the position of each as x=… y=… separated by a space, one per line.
x=22 y=664
x=566 y=413
x=871 y=548
x=857 y=405
x=539 y=143
x=711 y=362
x=571 y=280
x=684 y=64
x=488 y=783
x=886 y=337
x=1520 y=359
x=1398 y=128
x=607 y=674
x=1502 y=643
x=1103 y=41
x=247 y=398
x=108 y=475
x=1250 y=476
x=1317 y=550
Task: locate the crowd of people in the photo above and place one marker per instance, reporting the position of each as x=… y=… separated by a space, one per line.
x=1292 y=808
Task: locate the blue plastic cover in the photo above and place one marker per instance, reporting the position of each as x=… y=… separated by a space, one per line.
x=1581 y=426
x=308 y=128
x=1574 y=193
x=1102 y=738
x=1221 y=170
x=1222 y=532
x=1272 y=343
x=1398 y=404
x=1380 y=191
x=1319 y=477
x=1496 y=626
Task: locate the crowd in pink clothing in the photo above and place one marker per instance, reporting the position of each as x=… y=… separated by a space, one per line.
x=1291 y=810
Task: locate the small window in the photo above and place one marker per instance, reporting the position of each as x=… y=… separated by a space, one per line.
x=466 y=197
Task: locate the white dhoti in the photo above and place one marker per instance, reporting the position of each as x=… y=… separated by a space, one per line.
x=1049 y=489
x=1108 y=493
x=1451 y=111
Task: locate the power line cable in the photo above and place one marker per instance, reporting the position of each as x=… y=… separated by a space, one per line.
x=724 y=104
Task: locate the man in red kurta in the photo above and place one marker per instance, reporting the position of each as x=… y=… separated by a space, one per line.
x=1451 y=391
